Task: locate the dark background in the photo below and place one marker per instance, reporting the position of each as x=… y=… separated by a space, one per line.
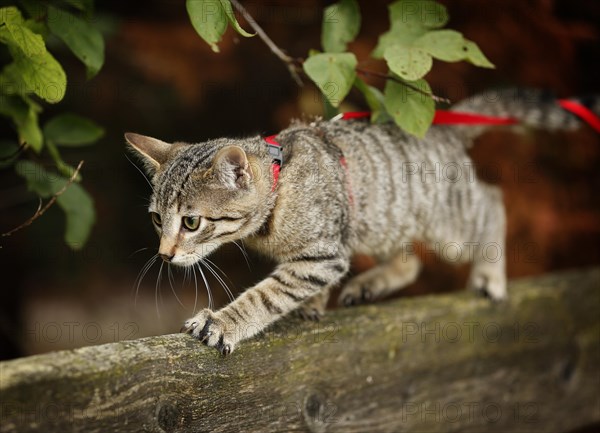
x=161 y=79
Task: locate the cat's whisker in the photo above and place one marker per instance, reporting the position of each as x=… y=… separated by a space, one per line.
x=170 y=278
x=209 y=265
x=186 y=276
x=208 y=290
x=157 y=289
x=141 y=172
x=205 y=259
x=141 y=276
x=195 y=287
x=212 y=271
x=137 y=251
x=244 y=253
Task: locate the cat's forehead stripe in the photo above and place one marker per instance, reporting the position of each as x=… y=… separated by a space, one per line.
x=201 y=158
x=177 y=174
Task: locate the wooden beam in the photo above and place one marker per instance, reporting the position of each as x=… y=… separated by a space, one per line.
x=437 y=363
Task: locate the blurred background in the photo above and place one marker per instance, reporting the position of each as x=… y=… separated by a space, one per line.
x=161 y=79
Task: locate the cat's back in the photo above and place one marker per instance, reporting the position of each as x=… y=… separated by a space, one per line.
x=396 y=181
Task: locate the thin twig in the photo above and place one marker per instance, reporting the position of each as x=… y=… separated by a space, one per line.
x=291 y=63
x=15 y=153
x=404 y=83
x=41 y=210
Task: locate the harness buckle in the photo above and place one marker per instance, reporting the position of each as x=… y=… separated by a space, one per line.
x=276 y=153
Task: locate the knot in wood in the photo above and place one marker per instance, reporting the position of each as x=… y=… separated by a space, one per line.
x=167 y=416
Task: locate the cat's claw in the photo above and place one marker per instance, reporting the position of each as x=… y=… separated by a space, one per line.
x=309 y=313
x=207 y=327
x=490 y=286
x=355 y=296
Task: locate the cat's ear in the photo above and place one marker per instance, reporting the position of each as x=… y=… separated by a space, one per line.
x=154 y=151
x=231 y=167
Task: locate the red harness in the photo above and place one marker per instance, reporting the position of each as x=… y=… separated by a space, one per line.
x=442 y=117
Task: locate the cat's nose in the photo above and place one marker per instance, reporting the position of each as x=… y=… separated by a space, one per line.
x=166 y=257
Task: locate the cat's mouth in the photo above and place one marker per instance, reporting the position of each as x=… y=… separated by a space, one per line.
x=185 y=260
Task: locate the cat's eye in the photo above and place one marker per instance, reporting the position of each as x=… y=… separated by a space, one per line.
x=191 y=222
x=156 y=218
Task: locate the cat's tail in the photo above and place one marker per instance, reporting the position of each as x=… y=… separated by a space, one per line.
x=530 y=108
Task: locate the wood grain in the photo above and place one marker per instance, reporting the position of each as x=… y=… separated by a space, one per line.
x=436 y=363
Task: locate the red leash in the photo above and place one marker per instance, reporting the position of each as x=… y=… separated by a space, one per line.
x=445 y=117
x=442 y=117
x=581 y=111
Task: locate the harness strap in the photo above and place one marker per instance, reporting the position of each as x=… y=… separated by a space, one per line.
x=442 y=117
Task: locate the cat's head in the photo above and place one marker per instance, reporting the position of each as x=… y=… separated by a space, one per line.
x=203 y=195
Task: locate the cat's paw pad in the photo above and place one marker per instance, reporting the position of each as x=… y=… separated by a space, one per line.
x=355 y=295
x=207 y=327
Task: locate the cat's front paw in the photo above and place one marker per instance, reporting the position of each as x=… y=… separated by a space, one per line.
x=355 y=294
x=309 y=312
x=211 y=330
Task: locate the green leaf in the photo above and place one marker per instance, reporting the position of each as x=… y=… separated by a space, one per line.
x=209 y=20
x=15 y=33
x=409 y=20
x=9 y=152
x=393 y=38
x=62 y=167
x=341 y=23
x=375 y=101
x=75 y=202
x=333 y=73
x=38 y=27
x=79 y=210
x=427 y=14
x=40 y=74
x=476 y=57
x=35 y=9
x=411 y=110
x=82 y=38
x=82 y=5
x=408 y=62
x=226 y=6
x=38 y=179
x=329 y=111
x=71 y=130
x=451 y=46
x=24 y=114
x=446 y=45
x=34 y=70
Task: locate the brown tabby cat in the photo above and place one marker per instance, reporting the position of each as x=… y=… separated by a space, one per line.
x=346 y=187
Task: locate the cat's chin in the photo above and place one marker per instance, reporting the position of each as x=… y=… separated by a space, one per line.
x=184 y=261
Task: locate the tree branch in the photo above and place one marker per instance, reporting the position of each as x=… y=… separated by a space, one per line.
x=41 y=210
x=14 y=154
x=291 y=63
x=451 y=362
x=404 y=83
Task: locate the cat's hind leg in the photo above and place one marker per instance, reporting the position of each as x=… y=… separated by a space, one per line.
x=488 y=273
x=382 y=280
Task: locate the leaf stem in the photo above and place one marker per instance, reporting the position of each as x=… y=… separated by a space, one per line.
x=41 y=210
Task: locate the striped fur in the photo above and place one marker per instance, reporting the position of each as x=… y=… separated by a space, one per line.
x=395 y=189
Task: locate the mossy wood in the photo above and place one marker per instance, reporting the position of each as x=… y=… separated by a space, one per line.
x=437 y=363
